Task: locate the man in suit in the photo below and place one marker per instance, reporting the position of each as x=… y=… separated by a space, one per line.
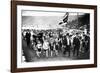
x=64 y=42
x=68 y=45
x=87 y=43
x=28 y=35
x=76 y=45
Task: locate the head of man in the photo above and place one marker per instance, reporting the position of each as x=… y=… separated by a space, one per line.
x=76 y=34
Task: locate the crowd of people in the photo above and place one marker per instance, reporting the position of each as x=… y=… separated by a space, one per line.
x=52 y=44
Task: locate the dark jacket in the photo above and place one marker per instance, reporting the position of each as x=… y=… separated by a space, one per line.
x=76 y=42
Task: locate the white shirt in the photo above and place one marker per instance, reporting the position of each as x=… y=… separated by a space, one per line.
x=68 y=41
x=39 y=45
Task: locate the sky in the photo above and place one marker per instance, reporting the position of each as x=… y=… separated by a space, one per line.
x=45 y=20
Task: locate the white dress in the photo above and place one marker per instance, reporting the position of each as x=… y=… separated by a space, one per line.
x=46 y=45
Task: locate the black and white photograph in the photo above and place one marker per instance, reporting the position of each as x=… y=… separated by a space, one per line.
x=52 y=36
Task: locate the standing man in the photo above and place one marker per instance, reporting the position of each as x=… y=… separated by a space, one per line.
x=56 y=46
x=28 y=35
x=64 y=43
x=68 y=45
x=76 y=45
